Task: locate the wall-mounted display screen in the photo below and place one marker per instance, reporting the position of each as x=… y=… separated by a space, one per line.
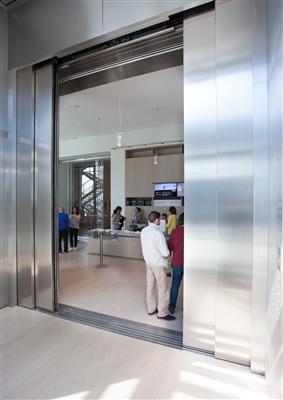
x=165 y=190
x=180 y=189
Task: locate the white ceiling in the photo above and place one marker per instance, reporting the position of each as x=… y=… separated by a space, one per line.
x=146 y=101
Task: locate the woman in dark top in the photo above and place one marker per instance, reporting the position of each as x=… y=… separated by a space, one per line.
x=176 y=246
x=117 y=219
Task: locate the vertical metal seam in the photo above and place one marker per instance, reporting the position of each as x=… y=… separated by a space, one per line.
x=55 y=159
x=33 y=186
x=16 y=211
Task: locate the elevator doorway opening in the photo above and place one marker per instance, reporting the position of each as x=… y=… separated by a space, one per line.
x=132 y=121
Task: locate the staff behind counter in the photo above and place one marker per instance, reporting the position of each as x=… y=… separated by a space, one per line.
x=118 y=220
x=166 y=225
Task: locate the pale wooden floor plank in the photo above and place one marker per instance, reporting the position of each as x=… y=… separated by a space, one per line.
x=44 y=357
x=118 y=290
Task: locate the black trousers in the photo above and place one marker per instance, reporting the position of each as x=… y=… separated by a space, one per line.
x=74 y=237
x=63 y=234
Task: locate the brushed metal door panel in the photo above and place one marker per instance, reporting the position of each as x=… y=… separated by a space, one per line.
x=44 y=132
x=4 y=157
x=11 y=189
x=25 y=193
x=274 y=361
x=234 y=54
x=260 y=177
x=200 y=182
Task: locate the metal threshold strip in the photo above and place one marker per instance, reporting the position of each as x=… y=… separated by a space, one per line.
x=165 y=337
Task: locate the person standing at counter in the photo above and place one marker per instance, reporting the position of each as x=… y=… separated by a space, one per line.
x=155 y=253
x=163 y=223
x=172 y=220
x=117 y=219
x=176 y=246
x=74 y=221
x=137 y=218
x=63 y=220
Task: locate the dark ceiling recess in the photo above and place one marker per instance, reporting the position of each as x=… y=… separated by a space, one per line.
x=7 y=3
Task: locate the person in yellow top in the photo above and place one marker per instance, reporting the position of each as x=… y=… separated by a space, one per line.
x=172 y=220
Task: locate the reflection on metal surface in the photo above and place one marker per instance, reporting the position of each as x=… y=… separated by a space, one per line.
x=200 y=182
x=274 y=362
x=44 y=126
x=105 y=75
x=234 y=180
x=25 y=193
x=260 y=211
x=11 y=189
x=5 y=156
x=3 y=134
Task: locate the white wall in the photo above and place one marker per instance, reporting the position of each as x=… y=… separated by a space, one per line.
x=104 y=143
x=40 y=29
x=118 y=173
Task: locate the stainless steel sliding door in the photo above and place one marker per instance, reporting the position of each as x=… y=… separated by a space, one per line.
x=44 y=188
x=200 y=182
x=35 y=141
x=25 y=187
x=219 y=133
x=234 y=57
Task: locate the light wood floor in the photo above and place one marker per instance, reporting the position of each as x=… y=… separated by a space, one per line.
x=118 y=290
x=45 y=357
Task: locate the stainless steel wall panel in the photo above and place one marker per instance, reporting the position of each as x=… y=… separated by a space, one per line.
x=118 y=14
x=11 y=188
x=30 y=22
x=234 y=53
x=25 y=187
x=260 y=171
x=200 y=182
x=44 y=142
x=275 y=132
x=4 y=172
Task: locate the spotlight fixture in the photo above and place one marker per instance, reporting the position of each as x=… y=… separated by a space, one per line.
x=155 y=159
x=119 y=139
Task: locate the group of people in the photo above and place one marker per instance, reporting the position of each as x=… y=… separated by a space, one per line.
x=69 y=226
x=118 y=219
x=161 y=238
x=167 y=225
x=156 y=253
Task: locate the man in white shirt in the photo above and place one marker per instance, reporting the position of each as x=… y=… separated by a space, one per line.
x=155 y=253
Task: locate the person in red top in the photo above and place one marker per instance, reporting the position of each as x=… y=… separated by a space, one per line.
x=176 y=246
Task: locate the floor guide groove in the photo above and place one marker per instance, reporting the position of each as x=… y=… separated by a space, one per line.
x=137 y=330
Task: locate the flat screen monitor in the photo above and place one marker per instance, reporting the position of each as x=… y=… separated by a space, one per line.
x=165 y=190
x=180 y=189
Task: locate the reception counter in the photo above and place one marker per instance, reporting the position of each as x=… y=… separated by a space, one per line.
x=127 y=245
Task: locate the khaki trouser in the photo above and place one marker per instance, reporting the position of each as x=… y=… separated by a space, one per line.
x=157 y=276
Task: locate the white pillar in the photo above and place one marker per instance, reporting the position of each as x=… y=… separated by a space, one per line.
x=118 y=191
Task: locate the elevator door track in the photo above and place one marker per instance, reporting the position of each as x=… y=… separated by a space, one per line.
x=137 y=330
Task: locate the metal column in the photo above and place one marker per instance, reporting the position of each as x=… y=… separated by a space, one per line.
x=44 y=185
